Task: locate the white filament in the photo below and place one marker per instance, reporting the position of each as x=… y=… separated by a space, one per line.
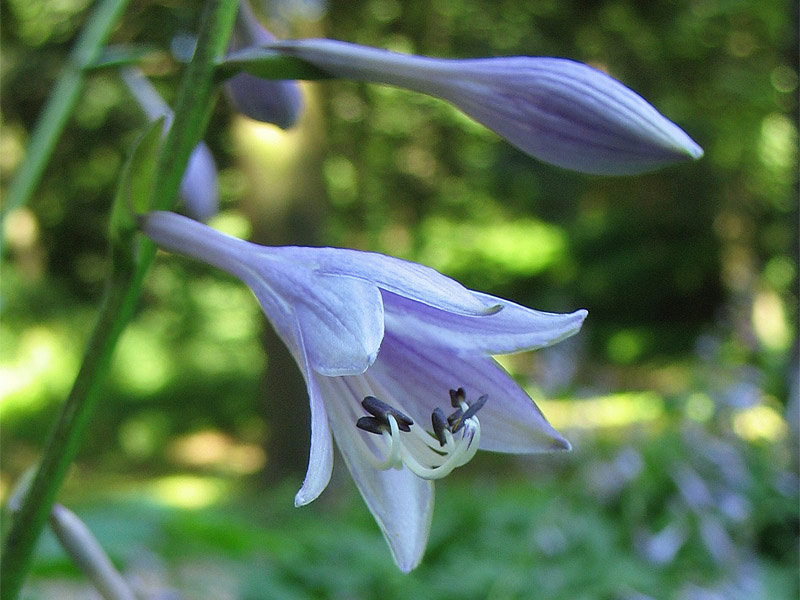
x=423 y=454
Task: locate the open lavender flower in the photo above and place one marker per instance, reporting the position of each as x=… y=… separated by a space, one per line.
x=385 y=345
x=560 y=111
x=265 y=100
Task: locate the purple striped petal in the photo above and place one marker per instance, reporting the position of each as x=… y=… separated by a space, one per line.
x=405 y=278
x=512 y=329
x=557 y=110
x=340 y=318
x=422 y=375
x=401 y=502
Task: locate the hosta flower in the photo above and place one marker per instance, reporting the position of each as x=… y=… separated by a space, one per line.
x=265 y=100
x=560 y=111
x=198 y=191
x=397 y=361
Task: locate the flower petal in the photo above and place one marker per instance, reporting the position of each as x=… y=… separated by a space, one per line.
x=340 y=318
x=513 y=329
x=320 y=456
x=404 y=278
x=568 y=114
x=422 y=375
x=401 y=502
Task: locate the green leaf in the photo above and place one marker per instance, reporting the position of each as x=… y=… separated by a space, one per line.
x=122 y=55
x=135 y=184
x=268 y=64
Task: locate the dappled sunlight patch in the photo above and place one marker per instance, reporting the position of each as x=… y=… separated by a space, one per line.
x=229 y=311
x=189 y=491
x=769 y=321
x=627 y=345
x=699 y=407
x=265 y=142
x=233 y=223
x=144 y=434
x=42 y=367
x=522 y=247
x=144 y=364
x=760 y=422
x=614 y=410
x=217 y=450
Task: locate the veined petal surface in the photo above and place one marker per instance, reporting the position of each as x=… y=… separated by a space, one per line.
x=514 y=328
x=557 y=110
x=401 y=502
x=422 y=376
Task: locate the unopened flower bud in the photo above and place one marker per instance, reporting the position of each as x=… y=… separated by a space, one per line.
x=199 y=183
x=560 y=111
x=265 y=100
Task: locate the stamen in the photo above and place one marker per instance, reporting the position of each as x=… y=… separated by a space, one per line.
x=473 y=408
x=440 y=425
x=427 y=455
x=371 y=424
x=457 y=397
x=381 y=411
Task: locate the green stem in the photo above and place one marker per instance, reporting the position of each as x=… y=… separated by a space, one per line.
x=65 y=95
x=195 y=101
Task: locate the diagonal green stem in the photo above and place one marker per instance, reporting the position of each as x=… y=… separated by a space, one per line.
x=65 y=95
x=195 y=101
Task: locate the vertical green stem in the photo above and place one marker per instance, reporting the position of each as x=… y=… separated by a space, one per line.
x=62 y=101
x=195 y=101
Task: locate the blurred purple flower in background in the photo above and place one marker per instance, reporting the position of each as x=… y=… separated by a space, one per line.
x=265 y=100
x=198 y=191
x=382 y=343
x=560 y=111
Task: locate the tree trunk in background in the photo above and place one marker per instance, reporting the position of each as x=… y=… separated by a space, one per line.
x=285 y=203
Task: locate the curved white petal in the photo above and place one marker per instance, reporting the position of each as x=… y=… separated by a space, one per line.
x=320 y=456
x=422 y=376
x=512 y=329
x=401 y=502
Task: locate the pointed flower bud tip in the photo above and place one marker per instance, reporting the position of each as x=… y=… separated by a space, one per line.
x=199 y=185
x=264 y=100
x=557 y=110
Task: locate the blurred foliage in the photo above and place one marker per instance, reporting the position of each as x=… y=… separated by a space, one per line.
x=689 y=275
x=637 y=520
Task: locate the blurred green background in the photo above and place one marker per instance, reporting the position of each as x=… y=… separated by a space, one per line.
x=679 y=395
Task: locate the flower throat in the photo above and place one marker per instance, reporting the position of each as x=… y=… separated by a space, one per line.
x=453 y=442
